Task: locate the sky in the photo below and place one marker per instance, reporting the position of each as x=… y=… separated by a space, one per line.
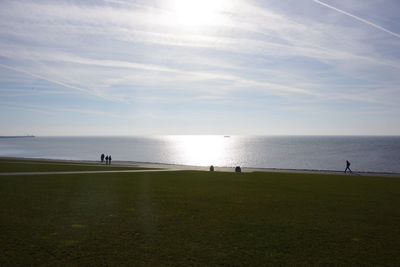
x=246 y=67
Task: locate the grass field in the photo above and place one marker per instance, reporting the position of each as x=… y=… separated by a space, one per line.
x=198 y=219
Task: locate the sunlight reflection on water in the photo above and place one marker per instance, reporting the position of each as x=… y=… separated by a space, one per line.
x=201 y=150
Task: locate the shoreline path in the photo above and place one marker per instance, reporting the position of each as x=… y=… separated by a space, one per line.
x=82 y=172
x=188 y=169
x=160 y=167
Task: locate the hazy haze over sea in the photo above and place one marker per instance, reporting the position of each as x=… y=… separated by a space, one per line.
x=375 y=154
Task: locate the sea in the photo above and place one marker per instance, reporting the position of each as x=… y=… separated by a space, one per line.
x=366 y=153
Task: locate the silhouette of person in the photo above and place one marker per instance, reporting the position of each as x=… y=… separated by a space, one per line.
x=109 y=159
x=106 y=159
x=347 y=167
x=211 y=168
x=102 y=158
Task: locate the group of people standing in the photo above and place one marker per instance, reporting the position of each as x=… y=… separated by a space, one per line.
x=107 y=158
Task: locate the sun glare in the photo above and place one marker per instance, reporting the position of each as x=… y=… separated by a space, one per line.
x=200 y=150
x=198 y=13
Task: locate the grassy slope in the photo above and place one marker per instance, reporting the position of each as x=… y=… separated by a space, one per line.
x=199 y=218
x=42 y=166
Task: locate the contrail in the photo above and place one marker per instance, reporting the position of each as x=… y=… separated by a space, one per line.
x=358 y=18
x=80 y=89
x=44 y=78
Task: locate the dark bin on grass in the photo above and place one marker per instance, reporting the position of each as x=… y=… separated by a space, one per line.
x=238 y=169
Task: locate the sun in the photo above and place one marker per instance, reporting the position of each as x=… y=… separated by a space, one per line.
x=198 y=13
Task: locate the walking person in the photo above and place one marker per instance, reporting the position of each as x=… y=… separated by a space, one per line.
x=109 y=159
x=102 y=158
x=347 y=167
x=106 y=159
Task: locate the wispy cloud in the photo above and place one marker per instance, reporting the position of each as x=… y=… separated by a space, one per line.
x=43 y=78
x=58 y=110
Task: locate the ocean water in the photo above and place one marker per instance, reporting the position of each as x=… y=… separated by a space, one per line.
x=372 y=154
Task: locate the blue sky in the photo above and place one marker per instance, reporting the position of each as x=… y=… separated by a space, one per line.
x=200 y=67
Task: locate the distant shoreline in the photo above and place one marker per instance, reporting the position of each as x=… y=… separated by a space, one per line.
x=205 y=168
x=17 y=136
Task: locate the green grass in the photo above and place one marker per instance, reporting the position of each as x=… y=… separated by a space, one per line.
x=199 y=219
x=7 y=165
